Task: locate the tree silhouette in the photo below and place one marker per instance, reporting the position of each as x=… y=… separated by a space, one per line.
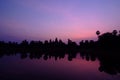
x=106 y=50
x=98 y=33
x=114 y=32
x=119 y=33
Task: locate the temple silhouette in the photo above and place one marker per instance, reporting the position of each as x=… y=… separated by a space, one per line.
x=105 y=49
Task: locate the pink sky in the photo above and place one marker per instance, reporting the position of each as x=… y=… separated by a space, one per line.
x=44 y=19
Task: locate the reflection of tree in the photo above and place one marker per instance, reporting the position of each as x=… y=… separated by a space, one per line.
x=106 y=50
x=110 y=64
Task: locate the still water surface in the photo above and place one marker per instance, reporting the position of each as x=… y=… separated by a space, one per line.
x=15 y=68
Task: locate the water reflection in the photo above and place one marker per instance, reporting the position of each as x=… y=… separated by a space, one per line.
x=105 y=50
x=50 y=69
x=109 y=63
x=33 y=66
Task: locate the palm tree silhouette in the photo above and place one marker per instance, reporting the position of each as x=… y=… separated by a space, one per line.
x=97 y=33
x=114 y=32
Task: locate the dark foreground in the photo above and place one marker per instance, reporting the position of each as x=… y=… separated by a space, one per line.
x=55 y=60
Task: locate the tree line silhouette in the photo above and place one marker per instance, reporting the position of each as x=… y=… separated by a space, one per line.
x=105 y=49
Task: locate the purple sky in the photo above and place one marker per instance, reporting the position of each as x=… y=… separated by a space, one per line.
x=48 y=19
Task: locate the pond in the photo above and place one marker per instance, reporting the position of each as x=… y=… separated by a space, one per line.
x=14 y=67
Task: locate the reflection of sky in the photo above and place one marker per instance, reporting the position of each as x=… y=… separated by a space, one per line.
x=26 y=69
x=45 y=19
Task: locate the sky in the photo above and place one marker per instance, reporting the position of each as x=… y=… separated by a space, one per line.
x=48 y=19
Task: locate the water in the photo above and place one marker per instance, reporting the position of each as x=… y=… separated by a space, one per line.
x=16 y=68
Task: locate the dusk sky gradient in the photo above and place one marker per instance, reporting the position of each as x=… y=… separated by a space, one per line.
x=48 y=19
